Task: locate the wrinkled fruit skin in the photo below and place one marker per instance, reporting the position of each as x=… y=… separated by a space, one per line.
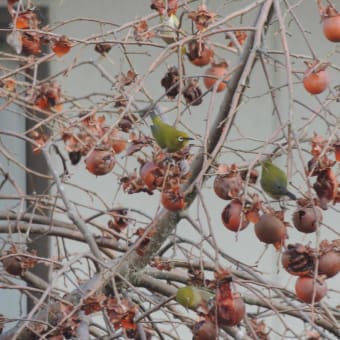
x=296 y=260
x=329 y=263
x=231 y=314
x=204 y=330
x=307 y=219
x=100 y=162
x=173 y=200
x=228 y=186
x=200 y=54
x=270 y=229
x=304 y=287
x=326 y=187
x=217 y=71
x=331 y=28
x=232 y=215
x=150 y=173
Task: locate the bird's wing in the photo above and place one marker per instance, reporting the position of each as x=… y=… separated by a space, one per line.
x=157 y=134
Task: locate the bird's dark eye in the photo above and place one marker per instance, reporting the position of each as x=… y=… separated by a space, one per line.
x=180 y=139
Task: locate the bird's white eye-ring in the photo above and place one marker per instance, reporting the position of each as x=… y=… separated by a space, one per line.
x=180 y=139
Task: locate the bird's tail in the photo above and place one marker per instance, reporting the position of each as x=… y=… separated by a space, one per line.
x=291 y=195
x=150 y=110
x=152 y=114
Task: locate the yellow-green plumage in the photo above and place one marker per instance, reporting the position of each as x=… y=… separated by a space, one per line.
x=168 y=137
x=193 y=297
x=274 y=181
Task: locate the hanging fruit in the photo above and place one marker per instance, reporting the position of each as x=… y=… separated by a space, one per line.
x=192 y=93
x=228 y=183
x=31 y=43
x=298 y=259
x=61 y=46
x=26 y=20
x=119 y=142
x=100 y=161
x=218 y=72
x=307 y=219
x=331 y=23
x=329 y=261
x=199 y=53
x=309 y=289
x=151 y=175
x=271 y=230
x=230 y=308
x=170 y=82
x=326 y=187
x=204 y=330
x=173 y=199
x=316 y=78
x=233 y=217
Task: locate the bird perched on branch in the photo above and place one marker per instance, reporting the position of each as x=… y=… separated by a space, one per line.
x=168 y=137
x=193 y=297
x=274 y=181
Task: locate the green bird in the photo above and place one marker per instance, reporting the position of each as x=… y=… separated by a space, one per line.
x=192 y=297
x=274 y=181
x=168 y=137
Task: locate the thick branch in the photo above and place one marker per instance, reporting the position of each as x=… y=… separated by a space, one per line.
x=166 y=221
x=69 y=233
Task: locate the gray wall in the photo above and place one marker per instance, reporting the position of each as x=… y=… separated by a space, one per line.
x=254 y=119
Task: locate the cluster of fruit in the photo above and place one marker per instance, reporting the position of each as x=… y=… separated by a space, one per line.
x=82 y=139
x=28 y=37
x=216 y=305
x=312 y=266
x=316 y=78
x=160 y=174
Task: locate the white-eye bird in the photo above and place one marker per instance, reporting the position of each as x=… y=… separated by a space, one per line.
x=168 y=137
x=192 y=297
x=274 y=181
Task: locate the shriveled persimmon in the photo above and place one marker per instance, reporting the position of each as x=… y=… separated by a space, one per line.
x=228 y=183
x=173 y=200
x=100 y=162
x=151 y=175
x=61 y=46
x=218 y=72
x=31 y=43
x=298 y=259
x=307 y=219
x=199 y=53
x=230 y=307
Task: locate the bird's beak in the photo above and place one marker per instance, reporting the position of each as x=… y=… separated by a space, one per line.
x=188 y=138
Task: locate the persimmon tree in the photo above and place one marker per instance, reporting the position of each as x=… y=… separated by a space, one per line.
x=163 y=257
